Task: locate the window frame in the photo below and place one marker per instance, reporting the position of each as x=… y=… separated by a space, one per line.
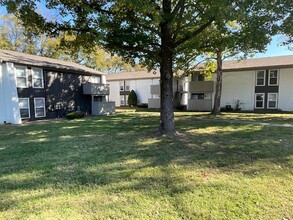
x=122 y=100
x=276 y=101
x=121 y=86
x=197 y=96
x=35 y=107
x=33 y=78
x=269 y=81
x=26 y=76
x=264 y=79
x=127 y=85
x=29 y=112
x=263 y=102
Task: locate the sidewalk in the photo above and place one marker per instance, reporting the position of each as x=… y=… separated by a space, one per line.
x=286 y=125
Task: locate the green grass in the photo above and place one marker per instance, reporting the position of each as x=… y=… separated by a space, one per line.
x=113 y=167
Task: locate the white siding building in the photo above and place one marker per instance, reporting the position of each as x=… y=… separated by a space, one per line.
x=252 y=84
x=122 y=83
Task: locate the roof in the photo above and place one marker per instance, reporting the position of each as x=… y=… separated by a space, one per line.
x=229 y=65
x=154 y=74
x=258 y=63
x=45 y=62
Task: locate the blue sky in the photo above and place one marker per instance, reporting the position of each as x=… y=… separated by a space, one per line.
x=273 y=49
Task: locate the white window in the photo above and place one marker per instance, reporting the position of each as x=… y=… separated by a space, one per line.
x=95 y=79
x=24 y=107
x=122 y=100
x=126 y=99
x=37 y=77
x=273 y=77
x=40 y=110
x=260 y=77
x=21 y=77
x=272 y=100
x=259 y=100
x=127 y=86
x=121 y=83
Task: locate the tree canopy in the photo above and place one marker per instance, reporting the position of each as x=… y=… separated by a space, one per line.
x=14 y=36
x=160 y=33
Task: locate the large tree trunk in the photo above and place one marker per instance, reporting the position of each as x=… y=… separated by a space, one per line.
x=217 y=100
x=167 y=125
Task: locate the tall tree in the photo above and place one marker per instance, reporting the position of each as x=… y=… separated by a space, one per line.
x=157 y=32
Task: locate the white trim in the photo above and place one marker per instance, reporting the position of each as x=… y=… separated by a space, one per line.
x=256 y=74
x=42 y=78
x=263 y=102
x=127 y=85
x=274 y=100
x=35 y=107
x=270 y=77
x=26 y=75
x=29 y=112
x=121 y=86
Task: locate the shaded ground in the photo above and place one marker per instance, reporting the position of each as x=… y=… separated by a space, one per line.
x=114 y=168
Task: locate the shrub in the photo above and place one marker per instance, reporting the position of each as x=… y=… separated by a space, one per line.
x=132 y=98
x=74 y=115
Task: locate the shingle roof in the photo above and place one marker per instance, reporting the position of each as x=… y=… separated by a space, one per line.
x=230 y=65
x=44 y=62
x=258 y=63
x=133 y=75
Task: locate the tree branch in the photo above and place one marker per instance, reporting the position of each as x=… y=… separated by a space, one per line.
x=194 y=33
x=137 y=49
x=131 y=16
x=179 y=8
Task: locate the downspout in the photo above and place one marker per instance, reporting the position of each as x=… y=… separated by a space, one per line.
x=2 y=96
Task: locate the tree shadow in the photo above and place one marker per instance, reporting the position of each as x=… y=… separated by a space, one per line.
x=121 y=151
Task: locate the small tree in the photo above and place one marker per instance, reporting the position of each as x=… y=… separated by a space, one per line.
x=132 y=98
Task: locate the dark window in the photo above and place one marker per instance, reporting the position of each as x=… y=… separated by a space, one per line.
x=201 y=77
x=194 y=77
x=259 y=100
x=98 y=98
x=197 y=96
x=24 y=107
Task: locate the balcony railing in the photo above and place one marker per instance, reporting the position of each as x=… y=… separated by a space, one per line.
x=201 y=86
x=96 y=89
x=155 y=90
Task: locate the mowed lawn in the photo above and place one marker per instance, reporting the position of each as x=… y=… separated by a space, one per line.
x=113 y=167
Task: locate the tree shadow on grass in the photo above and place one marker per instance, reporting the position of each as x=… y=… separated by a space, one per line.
x=120 y=152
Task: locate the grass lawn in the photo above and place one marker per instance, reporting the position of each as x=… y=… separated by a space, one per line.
x=112 y=167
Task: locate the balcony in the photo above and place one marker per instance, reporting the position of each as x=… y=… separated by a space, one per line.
x=96 y=89
x=155 y=90
x=201 y=86
x=199 y=105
